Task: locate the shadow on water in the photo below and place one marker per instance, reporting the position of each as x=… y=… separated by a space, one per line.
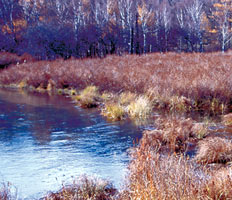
x=46 y=140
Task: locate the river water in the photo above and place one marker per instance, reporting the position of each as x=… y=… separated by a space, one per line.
x=47 y=140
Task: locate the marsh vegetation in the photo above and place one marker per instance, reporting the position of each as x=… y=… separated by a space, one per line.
x=183 y=157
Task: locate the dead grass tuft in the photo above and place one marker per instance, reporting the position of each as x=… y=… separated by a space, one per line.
x=141 y=107
x=227 y=119
x=84 y=189
x=153 y=176
x=219 y=184
x=126 y=98
x=113 y=111
x=89 y=97
x=176 y=133
x=214 y=150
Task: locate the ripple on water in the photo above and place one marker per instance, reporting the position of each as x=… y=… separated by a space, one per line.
x=43 y=146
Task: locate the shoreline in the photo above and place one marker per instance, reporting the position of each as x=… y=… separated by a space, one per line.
x=135 y=87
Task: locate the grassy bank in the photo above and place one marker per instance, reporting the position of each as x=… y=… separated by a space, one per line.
x=136 y=86
x=174 y=82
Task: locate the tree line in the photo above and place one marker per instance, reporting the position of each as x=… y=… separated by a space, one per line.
x=49 y=29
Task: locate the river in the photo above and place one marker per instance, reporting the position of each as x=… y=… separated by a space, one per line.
x=45 y=140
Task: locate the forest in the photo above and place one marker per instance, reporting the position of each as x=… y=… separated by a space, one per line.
x=95 y=28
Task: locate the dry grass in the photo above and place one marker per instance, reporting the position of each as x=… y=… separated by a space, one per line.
x=214 y=150
x=153 y=176
x=89 y=97
x=141 y=107
x=126 y=98
x=219 y=185
x=170 y=177
x=7 y=192
x=113 y=111
x=7 y=59
x=227 y=119
x=173 y=134
x=83 y=190
x=195 y=81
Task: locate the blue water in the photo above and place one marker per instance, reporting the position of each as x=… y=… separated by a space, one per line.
x=47 y=140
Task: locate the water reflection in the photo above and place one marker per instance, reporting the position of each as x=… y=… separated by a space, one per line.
x=45 y=140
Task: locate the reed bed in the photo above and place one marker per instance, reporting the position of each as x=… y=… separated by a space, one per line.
x=182 y=82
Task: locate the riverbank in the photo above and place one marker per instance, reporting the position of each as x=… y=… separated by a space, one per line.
x=182 y=158
x=172 y=82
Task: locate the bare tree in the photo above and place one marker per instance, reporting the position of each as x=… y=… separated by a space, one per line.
x=164 y=18
x=180 y=16
x=223 y=14
x=127 y=16
x=195 y=14
x=146 y=19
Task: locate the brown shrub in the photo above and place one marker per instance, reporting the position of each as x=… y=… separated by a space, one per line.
x=214 y=150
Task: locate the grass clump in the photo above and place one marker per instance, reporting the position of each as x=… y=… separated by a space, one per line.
x=172 y=134
x=141 y=107
x=83 y=190
x=180 y=104
x=89 y=97
x=214 y=150
x=126 y=98
x=227 y=119
x=114 y=111
x=200 y=130
x=22 y=84
x=107 y=96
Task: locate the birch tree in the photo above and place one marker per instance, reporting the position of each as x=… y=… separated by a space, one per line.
x=146 y=19
x=223 y=16
x=127 y=16
x=164 y=18
x=195 y=13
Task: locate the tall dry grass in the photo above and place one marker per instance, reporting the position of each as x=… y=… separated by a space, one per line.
x=202 y=80
x=153 y=175
x=84 y=189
